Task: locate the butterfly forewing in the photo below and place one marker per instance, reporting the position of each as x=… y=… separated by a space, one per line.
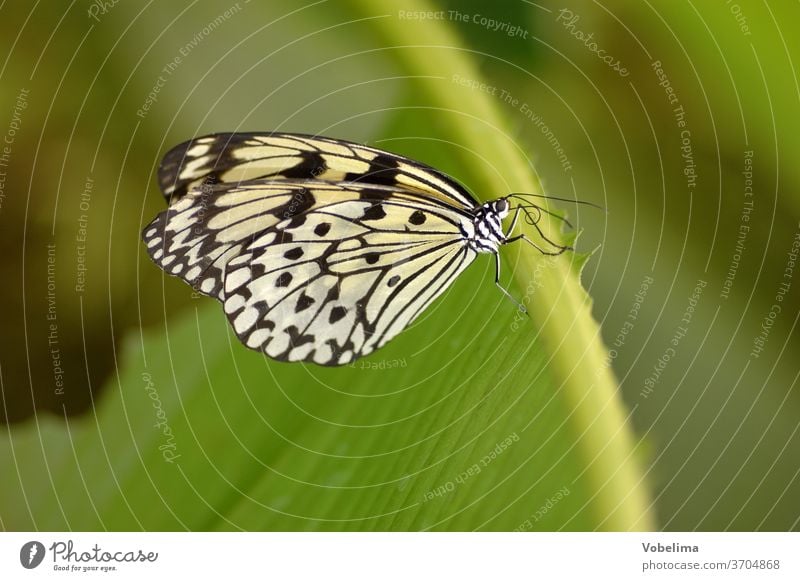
x=232 y=158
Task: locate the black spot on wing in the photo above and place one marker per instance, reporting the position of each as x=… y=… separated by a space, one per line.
x=417 y=218
x=372 y=257
x=322 y=228
x=262 y=322
x=312 y=166
x=375 y=212
x=303 y=302
x=337 y=313
x=256 y=269
x=284 y=279
x=394 y=280
x=294 y=253
x=385 y=163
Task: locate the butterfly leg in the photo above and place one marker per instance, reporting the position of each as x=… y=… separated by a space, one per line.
x=513 y=221
x=535 y=223
x=561 y=249
x=520 y=306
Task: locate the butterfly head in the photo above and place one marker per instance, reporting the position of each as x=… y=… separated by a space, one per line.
x=488 y=225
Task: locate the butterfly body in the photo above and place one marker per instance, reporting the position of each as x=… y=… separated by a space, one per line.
x=488 y=223
x=320 y=250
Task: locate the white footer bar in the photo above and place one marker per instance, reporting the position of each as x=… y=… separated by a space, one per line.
x=400 y=556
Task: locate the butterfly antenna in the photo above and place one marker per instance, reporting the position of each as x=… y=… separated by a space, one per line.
x=533 y=220
x=522 y=196
x=530 y=220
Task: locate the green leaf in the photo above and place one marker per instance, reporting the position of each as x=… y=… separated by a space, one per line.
x=475 y=418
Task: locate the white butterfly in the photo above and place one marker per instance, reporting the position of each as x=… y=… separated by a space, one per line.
x=320 y=250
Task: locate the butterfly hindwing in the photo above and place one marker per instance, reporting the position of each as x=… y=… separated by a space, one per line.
x=312 y=271
x=197 y=235
x=344 y=280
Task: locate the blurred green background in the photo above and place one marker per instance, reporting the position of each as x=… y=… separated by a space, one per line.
x=129 y=405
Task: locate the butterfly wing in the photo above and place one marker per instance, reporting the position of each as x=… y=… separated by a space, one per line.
x=313 y=271
x=198 y=234
x=233 y=158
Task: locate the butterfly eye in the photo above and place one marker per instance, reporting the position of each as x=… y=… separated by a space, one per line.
x=501 y=206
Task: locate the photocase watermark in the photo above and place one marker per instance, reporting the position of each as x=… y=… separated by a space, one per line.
x=168 y=449
x=381 y=365
x=744 y=226
x=569 y=20
x=473 y=470
x=672 y=350
x=52 y=322
x=31 y=554
x=10 y=136
x=548 y=505
x=679 y=114
x=100 y=8
x=173 y=65
x=67 y=558
x=84 y=203
x=760 y=340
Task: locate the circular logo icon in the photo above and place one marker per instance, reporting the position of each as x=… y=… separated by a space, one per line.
x=31 y=554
